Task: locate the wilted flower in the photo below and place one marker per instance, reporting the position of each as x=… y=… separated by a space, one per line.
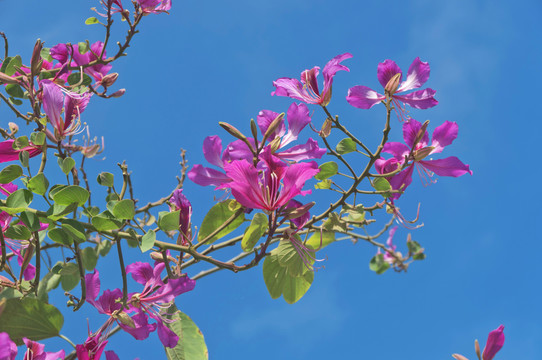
x=179 y=202
x=154 y=6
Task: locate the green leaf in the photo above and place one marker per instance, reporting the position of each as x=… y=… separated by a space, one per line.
x=13 y=62
x=38 y=184
x=327 y=170
x=49 y=282
x=71 y=194
x=103 y=247
x=17 y=201
x=91 y=21
x=254 y=232
x=60 y=236
x=15 y=101
x=91 y=211
x=296 y=287
x=5 y=64
x=381 y=184
x=89 y=258
x=9 y=293
x=55 y=189
x=57 y=212
x=21 y=142
x=37 y=138
x=274 y=276
x=318 y=240
x=191 y=345
x=215 y=218
x=30 y=318
x=69 y=276
x=378 y=264
x=169 y=221
x=75 y=230
x=290 y=258
x=66 y=165
x=106 y=179
x=23 y=158
x=10 y=173
x=15 y=90
x=46 y=54
x=18 y=232
x=83 y=46
x=31 y=220
x=106 y=221
x=147 y=241
x=75 y=78
x=346 y=146
x=324 y=184
x=112 y=197
x=124 y=209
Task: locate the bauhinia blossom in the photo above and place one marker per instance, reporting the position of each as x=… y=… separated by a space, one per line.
x=8 y=153
x=63 y=54
x=390 y=76
x=494 y=344
x=390 y=247
x=154 y=6
x=272 y=185
x=56 y=98
x=307 y=89
x=157 y=295
x=34 y=350
x=415 y=153
x=179 y=202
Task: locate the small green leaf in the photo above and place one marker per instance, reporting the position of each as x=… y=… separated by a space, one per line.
x=71 y=194
x=38 y=184
x=296 y=287
x=57 y=212
x=327 y=170
x=89 y=258
x=191 y=345
x=55 y=189
x=17 y=201
x=31 y=220
x=18 y=232
x=66 y=165
x=20 y=143
x=60 y=236
x=23 y=158
x=37 y=138
x=5 y=64
x=112 y=197
x=46 y=54
x=91 y=21
x=169 y=221
x=106 y=179
x=381 y=184
x=15 y=90
x=255 y=231
x=75 y=78
x=378 y=264
x=103 y=247
x=147 y=241
x=15 y=101
x=324 y=184
x=320 y=240
x=49 y=282
x=10 y=173
x=346 y=146
x=30 y=318
x=215 y=218
x=124 y=209
x=106 y=221
x=75 y=230
x=69 y=276
x=13 y=62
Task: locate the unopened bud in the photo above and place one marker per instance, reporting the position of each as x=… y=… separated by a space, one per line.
x=300 y=211
x=326 y=128
x=421 y=132
x=13 y=127
x=118 y=93
x=477 y=349
x=36 y=61
x=459 y=357
x=6 y=79
x=393 y=84
x=109 y=79
x=254 y=129
x=125 y=319
x=156 y=256
x=275 y=144
x=233 y=131
x=423 y=153
x=273 y=126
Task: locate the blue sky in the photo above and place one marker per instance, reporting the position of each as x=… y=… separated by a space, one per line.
x=215 y=61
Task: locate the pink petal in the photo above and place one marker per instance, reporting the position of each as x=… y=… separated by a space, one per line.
x=401 y=181
x=397 y=149
x=444 y=135
x=142 y=272
x=265 y=118
x=410 y=131
x=110 y=355
x=212 y=150
x=495 y=342
x=308 y=78
x=450 y=166
x=206 y=176
x=307 y=151
x=292 y=88
x=421 y=99
x=294 y=179
x=92 y=282
x=363 y=97
x=387 y=70
x=298 y=117
x=417 y=75
x=53 y=99
x=331 y=68
x=245 y=184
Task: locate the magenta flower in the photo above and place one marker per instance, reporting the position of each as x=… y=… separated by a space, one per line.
x=8 y=349
x=157 y=295
x=8 y=153
x=495 y=342
x=270 y=186
x=307 y=89
x=389 y=76
x=63 y=54
x=204 y=176
x=56 y=98
x=154 y=6
x=416 y=151
x=92 y=349
x=179 y=202
x=35 y=351
x=390 y=248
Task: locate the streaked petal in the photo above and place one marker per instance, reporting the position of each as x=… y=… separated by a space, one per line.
x=265 y=118
x=294 y=179
x=298 y=117
x=331 y=68
x=92 y=282
x=53 y=100
x=450 y=166
x=307 y=151
x=421 y=99
x=245 y=184
x=206 y=176
x=401 y=181
x=308 y=78
x=292 y=88
x=417 y=75
x=444 y=135
x=238 y=150
x=397 y=149
x=212 y=150
x=142 y=272
x=363 y=97
x=410 y=131
x=387 y=70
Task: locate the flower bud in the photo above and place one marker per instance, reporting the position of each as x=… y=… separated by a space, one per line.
x=423 y=153
x=13 y=127
x=393 y=84
x=6 y=79
x=273 y=126
x=459 y=357
x=118 y=93
x=109 y=79
x=326 y=128
x=36 y=61
x=421 y=132
x=477 y=349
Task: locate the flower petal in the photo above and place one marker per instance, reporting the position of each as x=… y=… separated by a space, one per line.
x=53 y=100
x=410 y=131
x=206 y=176
x=331 y=69
x=401 y=181
x=387 y=70
x=417 y=75
x=307 y=151
x=363 y=97
x=298 y=117
x=292 y=88
x=495 y=342
x=265 y=118
x=397 y=149
x=142 y=272
x=444 y=135
x=212 y=150
x=8 y=349
x=450 y=166
x=245 y=184
x=421 y=99
x=294 y=179
x=92 y=282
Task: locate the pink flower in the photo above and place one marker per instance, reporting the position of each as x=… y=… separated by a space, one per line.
x=8 y=153
x=154 y=6
x=179 y=202
x=63 y=54
x=271 y=186
x=8 y=349
x=390 y=247
x=495 y=342
x=35 y=351
x=416 y=150
x=307 y=89
x=389 y=76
